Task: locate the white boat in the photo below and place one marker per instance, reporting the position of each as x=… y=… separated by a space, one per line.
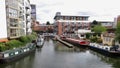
x=40 y=42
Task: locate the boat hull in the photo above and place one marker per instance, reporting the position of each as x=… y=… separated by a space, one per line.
x=75 y=43
x=18 y=56
x=105 y=52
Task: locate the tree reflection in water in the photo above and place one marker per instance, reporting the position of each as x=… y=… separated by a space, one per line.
x=115 y=62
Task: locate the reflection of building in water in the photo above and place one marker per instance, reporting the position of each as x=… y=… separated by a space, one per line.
x=61 y=47
x=115 y=62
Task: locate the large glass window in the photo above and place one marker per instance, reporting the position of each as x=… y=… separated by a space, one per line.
x=13 y=22
x=13 y=13
x=13 y=32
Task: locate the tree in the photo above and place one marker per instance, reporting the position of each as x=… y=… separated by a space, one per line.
x=99 y=29
x=47 y=23
x=118 y=32
x=95 y=22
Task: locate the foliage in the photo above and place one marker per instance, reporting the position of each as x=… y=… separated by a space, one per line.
x=88 y=35
x=28 y=38
x=2 y=47
x=118 y=32
x=99 y=40
x=47 y=23
x=93 y=39
x=95 y=22
x=14 y=44
x=99 y=29
x=34 y=33
x=24 y=39
x=31 y=37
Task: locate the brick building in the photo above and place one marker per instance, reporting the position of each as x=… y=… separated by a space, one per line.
x=36 y=26
x=69 y=24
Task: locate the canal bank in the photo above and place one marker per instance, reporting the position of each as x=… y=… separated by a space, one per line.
x=57 y=55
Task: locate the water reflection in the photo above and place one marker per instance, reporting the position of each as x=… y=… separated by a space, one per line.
x=56 y=55
x=115 y=62
x=22 y=63
x=60 y=47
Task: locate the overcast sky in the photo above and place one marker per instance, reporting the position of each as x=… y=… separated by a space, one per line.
x=96 y=9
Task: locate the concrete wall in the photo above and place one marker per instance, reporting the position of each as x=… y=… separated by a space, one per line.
x=3 y=24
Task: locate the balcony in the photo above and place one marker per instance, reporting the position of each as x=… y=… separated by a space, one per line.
x=28 y=25
x=28 y=18
x=28 y=11
x=12 y=24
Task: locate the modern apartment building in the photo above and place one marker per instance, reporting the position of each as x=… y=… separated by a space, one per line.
x=33 y=11
x=15 y=17
x=69 y=24
x=107 y=24
x=28 y=16
x=3 y=22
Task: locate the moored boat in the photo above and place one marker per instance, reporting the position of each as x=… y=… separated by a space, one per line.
x=76 y=42
x=12 y=55
x=105 y=50
x=40 y=42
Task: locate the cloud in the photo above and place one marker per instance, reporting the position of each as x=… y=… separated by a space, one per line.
x=46 y=9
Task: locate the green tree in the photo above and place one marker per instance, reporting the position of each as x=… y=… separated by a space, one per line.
x=95 y=22
x=118 y=32
x=47 y=23
x=99 y=29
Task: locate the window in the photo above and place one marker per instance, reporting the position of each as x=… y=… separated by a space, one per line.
x=13 y=32
x=13 y=13
x=13 y=22
x=82 y=35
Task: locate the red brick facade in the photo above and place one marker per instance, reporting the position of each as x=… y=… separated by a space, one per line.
x=44 y=28
x=69 y=24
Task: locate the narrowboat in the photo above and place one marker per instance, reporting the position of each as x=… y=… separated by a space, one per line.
x=77 y=42
x=14 y=54
x=109 y=51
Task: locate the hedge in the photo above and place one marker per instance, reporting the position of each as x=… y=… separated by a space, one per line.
x=22 y=41
x=3 y=47
x=14 y=44
x=27 y=39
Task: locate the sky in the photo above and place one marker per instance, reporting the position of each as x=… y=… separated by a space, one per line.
x=99 y=10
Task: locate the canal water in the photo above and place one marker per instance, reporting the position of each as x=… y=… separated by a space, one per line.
x=56 y=55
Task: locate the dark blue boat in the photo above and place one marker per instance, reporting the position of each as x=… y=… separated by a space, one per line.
x=105 y=50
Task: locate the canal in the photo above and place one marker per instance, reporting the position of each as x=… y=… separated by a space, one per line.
x=56 y=55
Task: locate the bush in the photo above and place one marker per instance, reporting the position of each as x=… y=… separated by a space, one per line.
x=99 y=40
x=3 y=47
x=93 y=39
x=31 y=37
x=27 y=39
x=88 y=35
x=14 y=44
x=24 y=39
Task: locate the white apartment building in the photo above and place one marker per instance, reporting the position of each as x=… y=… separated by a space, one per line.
x=15 y=19
x=3 y=23
x=27 y=9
